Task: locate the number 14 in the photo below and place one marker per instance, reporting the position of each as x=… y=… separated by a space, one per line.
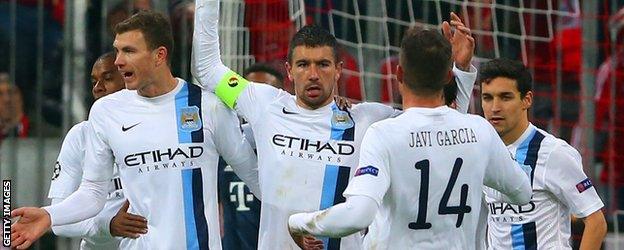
x=443 y=208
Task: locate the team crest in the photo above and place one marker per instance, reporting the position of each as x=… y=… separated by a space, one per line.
x=189 y=119
x=342 y=120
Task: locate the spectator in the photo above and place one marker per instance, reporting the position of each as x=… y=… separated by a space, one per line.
x=14 y=121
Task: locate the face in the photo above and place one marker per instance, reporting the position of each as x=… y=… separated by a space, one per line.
x=264 y=77
x=135 y=61
x=504 y=108
x=105 y=78
x=314 y=73
x=5 y=101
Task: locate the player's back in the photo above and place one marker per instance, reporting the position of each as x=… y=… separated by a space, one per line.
x=437 y=159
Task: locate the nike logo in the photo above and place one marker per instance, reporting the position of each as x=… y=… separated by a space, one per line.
x=288 y=112
x=124 y=129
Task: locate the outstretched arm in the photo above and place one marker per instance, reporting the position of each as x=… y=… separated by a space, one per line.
x=338 y=221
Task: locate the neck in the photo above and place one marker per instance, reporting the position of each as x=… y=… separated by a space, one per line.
x=514 y=134
x=411 y=100
x=164 y=84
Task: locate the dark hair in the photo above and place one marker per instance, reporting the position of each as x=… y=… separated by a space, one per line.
x=262 y=67
x=512 y=69
x=107 y=55
x=450 y=91
x=313 y=36
x=154 y=26
x=426 y=60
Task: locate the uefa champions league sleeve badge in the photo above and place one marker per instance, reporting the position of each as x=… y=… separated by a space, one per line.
x=342 y=120
x=189 y=119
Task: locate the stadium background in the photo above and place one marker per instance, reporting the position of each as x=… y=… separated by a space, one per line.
x=573 y=48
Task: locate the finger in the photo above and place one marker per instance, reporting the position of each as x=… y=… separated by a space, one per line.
x=125 y=206
x=25 y=245
x=18 y=212
x=456 y=24
x=464 y=30
x=133 y=223
x=128 y=234
x=455 y=17
x=17 y=240
x=134 y=230
x=446 y=30
x=136 y=218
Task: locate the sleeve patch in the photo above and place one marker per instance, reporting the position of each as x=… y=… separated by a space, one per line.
x=57 y=170
x=367 y=170
x=584 y=185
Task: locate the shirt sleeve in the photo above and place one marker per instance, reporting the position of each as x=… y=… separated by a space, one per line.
x=98 y=161
x=98 y=226
x=68 y=167
x=564 y=177
x=503 y=174
x=465 y=85
x=233 y=147
x=372 y=178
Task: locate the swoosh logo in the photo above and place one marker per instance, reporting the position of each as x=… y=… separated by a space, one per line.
x=124 y=129
x=288 y=112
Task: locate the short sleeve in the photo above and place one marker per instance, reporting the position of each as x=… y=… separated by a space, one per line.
x=564 y=177
x=68 y=166
x=98 y=162
x=372 y=177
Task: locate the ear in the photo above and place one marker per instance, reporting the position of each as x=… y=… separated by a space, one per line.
x=400 y=74
x=288 y=69
x=339 y=66
x=527 y=100
x=161 y=55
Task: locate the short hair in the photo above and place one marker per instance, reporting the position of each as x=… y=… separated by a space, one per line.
x=154 y=26
x=262 y=67
x=313 y=36
x=450 y=91
x=105 y=56
x=512 y=69
x=426 y=59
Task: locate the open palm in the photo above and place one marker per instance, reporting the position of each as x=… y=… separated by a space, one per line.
x=34 y=222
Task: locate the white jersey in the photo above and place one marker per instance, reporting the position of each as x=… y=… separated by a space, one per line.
x=426 y=169
x=167 y=150
x=66 y=178
x=560 y=189
x=305 y=157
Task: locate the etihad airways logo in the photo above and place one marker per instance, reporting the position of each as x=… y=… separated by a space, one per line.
x=155 y=160
x=329 y=151
x=505 y=212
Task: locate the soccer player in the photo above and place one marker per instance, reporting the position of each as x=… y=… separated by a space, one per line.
x=98 y=232
x=165 y=135
x=240 y=209
x=560 y=188
x=421 y=174
x=307 y=146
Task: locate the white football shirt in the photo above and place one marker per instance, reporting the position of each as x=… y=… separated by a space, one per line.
x=426 y=169
x=66 y=179
x=305 y=157
x=560 y=189
x=167 y=149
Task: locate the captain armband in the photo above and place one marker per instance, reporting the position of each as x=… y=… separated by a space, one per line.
x=230 y=87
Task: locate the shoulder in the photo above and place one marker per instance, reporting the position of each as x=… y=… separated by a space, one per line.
x=75 y=135
x=114 y=100
x=371 y=106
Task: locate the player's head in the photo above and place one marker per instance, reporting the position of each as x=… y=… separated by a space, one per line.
x=144 y=44
x=313 y=66
x=424 y=63
x=105 y=78
x=506 y=96
x=264 y=73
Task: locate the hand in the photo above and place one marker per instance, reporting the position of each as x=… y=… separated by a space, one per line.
x=34 y=222
x=127 y=225
x=306 y=241
x=342 y=102
x=462 y=41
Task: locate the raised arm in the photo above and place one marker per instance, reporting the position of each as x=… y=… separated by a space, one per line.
x=207 y=66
